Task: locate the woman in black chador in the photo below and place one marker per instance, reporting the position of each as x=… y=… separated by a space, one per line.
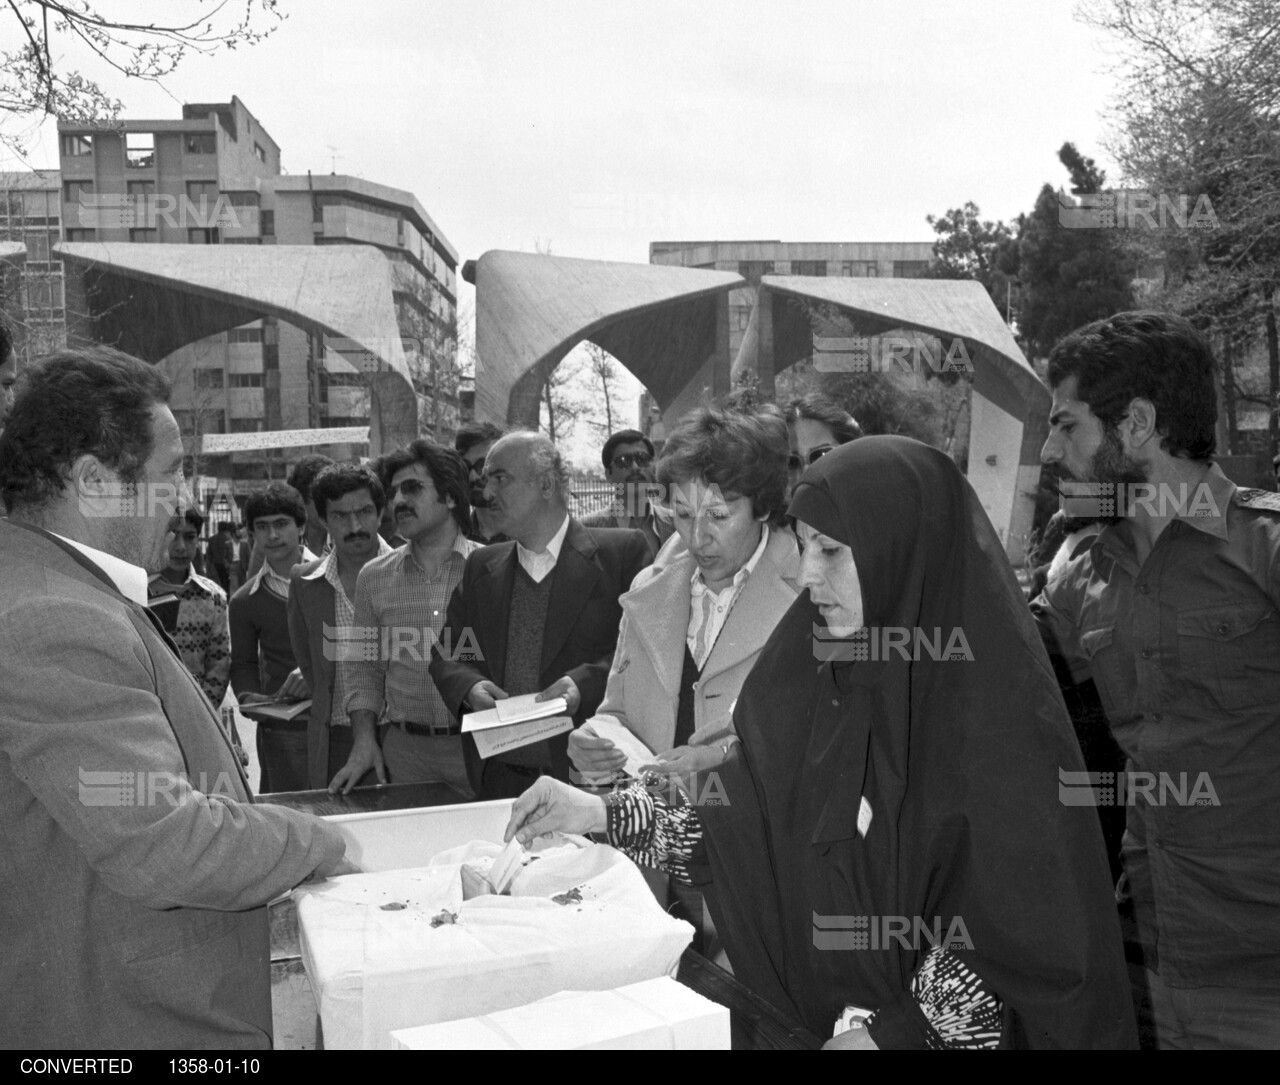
x=891 y=860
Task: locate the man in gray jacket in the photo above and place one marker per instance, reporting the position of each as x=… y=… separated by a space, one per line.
x=136 y=867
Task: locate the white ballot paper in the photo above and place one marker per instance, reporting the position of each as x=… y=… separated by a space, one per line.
x=637 y=753
x=515 y=722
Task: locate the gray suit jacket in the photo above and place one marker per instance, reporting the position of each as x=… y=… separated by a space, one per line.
x=134 y=866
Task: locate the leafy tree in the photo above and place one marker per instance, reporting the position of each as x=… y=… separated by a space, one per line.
x=970 y=247
x=1069 y=276
x=35 y=81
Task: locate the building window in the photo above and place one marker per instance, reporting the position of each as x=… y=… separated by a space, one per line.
x=909 y=269
x=200 y=235
x=201 y=143
x=144 y=235
x=244 y=335
x=139 y=150
x=242 y=199
x=76 y=191
x=267 y=221
x=77 y=146
x=244 y=380
x=246 y=425
x=81 y=235
x=37 y=247
x=808 y=267
x=206 y=379
x=142 y=188
x=259 y=153
x=859 y=269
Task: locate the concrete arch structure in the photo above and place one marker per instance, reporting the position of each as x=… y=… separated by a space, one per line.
x=150 y=300
x=669 y=326
x=1010 y=404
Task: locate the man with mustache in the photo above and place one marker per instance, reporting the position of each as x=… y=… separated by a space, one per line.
x=628 y=463
x=1172 y=611
x=400 y=604
x=472 y=442
x=348 y=500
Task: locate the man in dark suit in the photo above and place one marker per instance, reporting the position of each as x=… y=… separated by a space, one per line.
x=542 y=610
x=137 y=867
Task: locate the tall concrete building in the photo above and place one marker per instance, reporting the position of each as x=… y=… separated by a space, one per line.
x=214 y=178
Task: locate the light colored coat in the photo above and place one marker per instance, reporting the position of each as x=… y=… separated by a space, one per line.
x=135 y=868
x=643 y=690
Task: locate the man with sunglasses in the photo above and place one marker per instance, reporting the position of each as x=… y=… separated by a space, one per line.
x=472 y=442
x=628 y=464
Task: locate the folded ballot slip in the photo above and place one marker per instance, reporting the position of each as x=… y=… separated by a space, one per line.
x=516 y=722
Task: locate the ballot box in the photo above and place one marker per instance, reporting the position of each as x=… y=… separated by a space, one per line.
x=655 y=1015
x=398 y=946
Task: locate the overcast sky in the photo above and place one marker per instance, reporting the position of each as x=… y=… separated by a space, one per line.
x=599 y=126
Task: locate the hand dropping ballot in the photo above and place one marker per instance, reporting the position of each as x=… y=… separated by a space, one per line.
x=515 y=722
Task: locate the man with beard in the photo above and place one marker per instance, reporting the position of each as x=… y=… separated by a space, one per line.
x=472 y=442
x=628 y=464
x=401 y=599
x=1172 y=611
x=348 y=500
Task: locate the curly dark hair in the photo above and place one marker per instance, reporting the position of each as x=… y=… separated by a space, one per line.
x=1160 y=357
x=88 y=400
x=278 y=499
x=446 y=468
x=744 y=453
x=339 y=479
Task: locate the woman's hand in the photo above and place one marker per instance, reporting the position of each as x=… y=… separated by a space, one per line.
x=687 y=761
x=595 y=757
x=550 y=806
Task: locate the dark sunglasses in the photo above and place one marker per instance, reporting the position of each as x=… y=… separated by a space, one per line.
x=627 y=459
x=475 y=467
x=815 y=454
x=410 y=487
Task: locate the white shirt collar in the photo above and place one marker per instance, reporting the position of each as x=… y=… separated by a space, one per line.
x=256 y=581
x=739 y=578
x=553 y=547
x=130 y=580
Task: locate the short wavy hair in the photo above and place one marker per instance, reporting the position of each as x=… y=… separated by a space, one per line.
x=1155 y=356
x=339 y=479
x=278 y=499
x=743 y=453
x=446 y=467
x=86 y=401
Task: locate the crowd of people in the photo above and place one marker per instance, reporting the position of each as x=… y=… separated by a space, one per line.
x=877 y=834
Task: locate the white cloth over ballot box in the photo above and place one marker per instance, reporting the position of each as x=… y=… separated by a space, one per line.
x=400 y=948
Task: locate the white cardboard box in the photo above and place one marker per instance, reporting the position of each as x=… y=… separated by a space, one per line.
x=656 y=1015
x=377 y=962
x=398 y=839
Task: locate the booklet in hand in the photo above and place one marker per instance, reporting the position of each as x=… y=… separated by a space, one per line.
x=516 y=722
x=276 y=710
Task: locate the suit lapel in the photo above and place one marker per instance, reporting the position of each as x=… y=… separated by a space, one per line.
x=664 y=601
x=573 y=582
x=494 y=589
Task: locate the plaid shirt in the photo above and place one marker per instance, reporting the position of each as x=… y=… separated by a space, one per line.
x=202 y=635
x=344 y=617
x=400 y=612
